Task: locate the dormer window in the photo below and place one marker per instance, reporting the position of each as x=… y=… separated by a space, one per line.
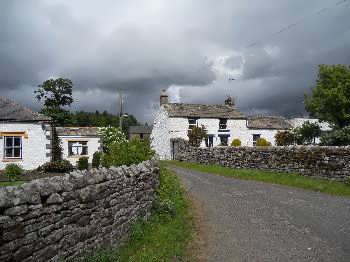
x=192 y=122
x=223 y=123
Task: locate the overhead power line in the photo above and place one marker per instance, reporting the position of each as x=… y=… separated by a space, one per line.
x=290 y=26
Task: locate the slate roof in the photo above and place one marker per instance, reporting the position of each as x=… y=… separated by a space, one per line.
x=12 y=111
x=76 y=131
x=204 y=111
x=268 y=122
x=140 y=129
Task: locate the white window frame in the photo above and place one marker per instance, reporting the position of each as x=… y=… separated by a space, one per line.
x=80 y=146
x=13 y=147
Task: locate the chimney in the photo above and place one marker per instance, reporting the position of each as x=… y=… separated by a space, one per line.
x=230 y=101
x=163 y=97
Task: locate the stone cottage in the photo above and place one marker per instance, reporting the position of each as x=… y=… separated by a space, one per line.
x=24 y=138
x=222 y=122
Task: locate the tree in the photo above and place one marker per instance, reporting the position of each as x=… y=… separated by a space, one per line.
x=56 y=94
x=196 y=135
x=337 y=137
x=307 y=133
x=330 y=100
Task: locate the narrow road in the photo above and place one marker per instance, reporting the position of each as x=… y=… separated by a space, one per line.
x=253 y=221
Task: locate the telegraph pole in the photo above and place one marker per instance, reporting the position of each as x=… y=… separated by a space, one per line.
x=120 y=109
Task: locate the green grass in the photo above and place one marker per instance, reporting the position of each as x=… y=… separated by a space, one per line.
x=165 y=236
x=14 y=183
x=288 y=179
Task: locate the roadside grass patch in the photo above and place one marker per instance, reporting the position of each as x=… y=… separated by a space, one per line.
x=288 y=179
x=12 y=183
x=166 y=234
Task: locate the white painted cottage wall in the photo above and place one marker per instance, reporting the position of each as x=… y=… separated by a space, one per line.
x=93 y=144
x=268 y=134
x=33 y=148
x=160 y=138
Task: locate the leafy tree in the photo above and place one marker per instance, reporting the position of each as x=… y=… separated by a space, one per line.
x=337 y=137
x=196 y=135
x=284 y=138
x=330 y=100
x=82 y=118
x=307 y=133
x=56 y=94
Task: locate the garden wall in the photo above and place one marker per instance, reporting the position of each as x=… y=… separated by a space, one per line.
x=326 y=162
x=58 y=218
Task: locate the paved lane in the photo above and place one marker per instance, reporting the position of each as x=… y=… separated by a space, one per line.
x=254 y=221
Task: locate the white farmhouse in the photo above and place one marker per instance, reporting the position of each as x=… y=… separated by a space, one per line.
x=24 y=138
x=222 y=122
x=79 y=142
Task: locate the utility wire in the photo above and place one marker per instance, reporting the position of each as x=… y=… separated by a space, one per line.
x=290 y=26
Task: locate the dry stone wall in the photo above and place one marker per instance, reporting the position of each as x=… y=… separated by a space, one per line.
x=327 y=162
x=58 y=218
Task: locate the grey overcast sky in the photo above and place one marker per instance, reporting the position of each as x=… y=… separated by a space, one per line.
x=189 y=47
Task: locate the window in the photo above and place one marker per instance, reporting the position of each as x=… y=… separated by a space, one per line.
x=192 y=122
x=224 y=140
x=255 y=138
x=13 y=147
x=223 y=123
x=209 y=141
x=77 y=148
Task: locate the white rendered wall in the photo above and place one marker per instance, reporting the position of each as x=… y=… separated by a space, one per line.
x=298 y=122
x=93 y=144
x=160 y=138
x=33 y=148
x=268 y=134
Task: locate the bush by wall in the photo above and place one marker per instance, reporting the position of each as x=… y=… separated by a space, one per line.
x=132 y=152
x=96 y=159
x=236 y=142
x=13 y=172
x=83 y=163
x=262 y=142
x=58 y=218
x=59 y=166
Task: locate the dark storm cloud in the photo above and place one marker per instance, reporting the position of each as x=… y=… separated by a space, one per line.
x=190 y=47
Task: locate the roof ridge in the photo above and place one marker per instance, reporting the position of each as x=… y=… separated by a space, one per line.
x=29 y=113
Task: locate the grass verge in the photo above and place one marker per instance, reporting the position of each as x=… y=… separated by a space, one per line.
x=288 y=179
x=165 y=236
x=14 y=183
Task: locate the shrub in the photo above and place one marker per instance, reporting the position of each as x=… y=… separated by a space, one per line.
x=83 y=163
x=60 y=166
x=132 y=152
x=13 y=171
x=96 y=159
x=196 y=135
x=236 y=142
x=284 y=138
x=337 y=137
x=111 y=136
x=262 y=142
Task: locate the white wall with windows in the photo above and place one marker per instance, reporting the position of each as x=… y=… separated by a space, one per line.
x=24 y=144
x=74 y=147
